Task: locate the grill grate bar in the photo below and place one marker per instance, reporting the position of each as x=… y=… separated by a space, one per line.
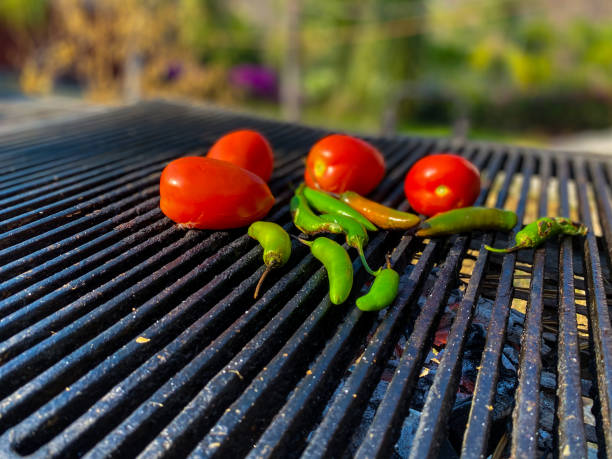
x=34 y=248
x=187 y=133
x=147 y=138
x=25 y=230
x=302 y=402
x=220 y=386
x=117 y=365
x=285 y=209
x=166 y=402
x=599 y=317
x=384 y=429
x=477 y=433
x=121 y=335
x=123 y=248
x=435 y=414
x=84 y=189
x=572 y=436
x=603 y=199
x=527 y=407
x=233 y=423
x=342 y=412
x=52 y=134
x=36 y=158
x=137 y=382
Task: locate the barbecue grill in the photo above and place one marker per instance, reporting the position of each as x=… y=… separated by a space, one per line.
x=122 y=335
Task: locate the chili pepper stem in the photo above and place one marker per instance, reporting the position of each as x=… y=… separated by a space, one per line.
x=507 y=250
x=365 y=264
x=303 y=241
x=261 y=279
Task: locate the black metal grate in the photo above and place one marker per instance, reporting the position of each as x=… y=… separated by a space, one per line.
x=122 y=335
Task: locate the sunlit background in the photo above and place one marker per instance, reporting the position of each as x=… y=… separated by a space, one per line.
x=529 y=71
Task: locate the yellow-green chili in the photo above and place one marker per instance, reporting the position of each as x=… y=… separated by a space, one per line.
x=276 y=246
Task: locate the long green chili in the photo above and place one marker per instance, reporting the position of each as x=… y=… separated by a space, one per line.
x=327 y=204
x=337 y=264
x=356 y=235
x=467 y=219
x=541 y=230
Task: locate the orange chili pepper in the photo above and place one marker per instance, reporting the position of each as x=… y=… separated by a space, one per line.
x=382 y=216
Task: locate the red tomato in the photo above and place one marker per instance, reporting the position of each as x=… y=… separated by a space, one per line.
x=441 y=182
x=207 y=193
x=339 y=163
x=247 y=149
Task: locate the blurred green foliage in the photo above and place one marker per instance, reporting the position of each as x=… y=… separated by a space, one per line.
x=23 y=13
x=506 y=64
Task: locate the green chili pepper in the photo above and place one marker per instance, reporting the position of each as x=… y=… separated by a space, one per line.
x=305 y=219
x=467 y=219
x=542 y=229
x=382 y=292
x=327 y=204
x=356 y=235
x=338 y=265
x=276 y=244
x=382 y=216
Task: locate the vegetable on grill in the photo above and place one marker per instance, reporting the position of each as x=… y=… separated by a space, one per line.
x=276 y=246
x=247 y=149
x=468 y=219
x=382 y=216
x=541 y=230
x=441 y=182
x=207 y=193
x=306 y=220
x=356 y=235
x=325 y=203
x=340 y=162
x=382 y=292
x=338 y=265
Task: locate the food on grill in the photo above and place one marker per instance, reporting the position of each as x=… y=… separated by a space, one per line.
x=247 y=149
x=276 y=246
x=340 y=162
x=468 y=219
x=382 y=216
x=338 y=265
x=356 y=235
x=207 y=193
x=382 y=292
x=541 y=230
x=441 y=182
x=305 y=219
x=325 y=203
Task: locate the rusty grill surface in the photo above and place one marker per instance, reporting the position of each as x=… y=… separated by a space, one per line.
x=122 y=335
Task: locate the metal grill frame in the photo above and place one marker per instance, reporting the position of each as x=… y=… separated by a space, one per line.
x=88 y=264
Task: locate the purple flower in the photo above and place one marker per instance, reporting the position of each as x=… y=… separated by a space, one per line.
x=257 y=80
x=173 y=71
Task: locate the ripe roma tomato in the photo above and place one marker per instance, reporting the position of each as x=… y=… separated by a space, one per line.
x=207 y=193
x=247 y=149
x=339 y=163
x=441 y=182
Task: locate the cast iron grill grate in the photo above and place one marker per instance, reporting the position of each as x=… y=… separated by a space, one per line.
x=122 y=335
